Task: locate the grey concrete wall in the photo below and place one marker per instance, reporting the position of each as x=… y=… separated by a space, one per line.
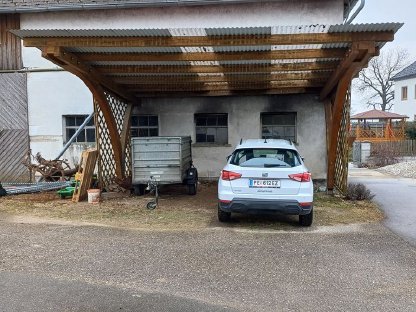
x=176 y=117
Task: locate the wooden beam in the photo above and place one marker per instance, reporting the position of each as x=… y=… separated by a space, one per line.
x=202 y=41
x=356 y=53
x=230 y=86
x=212 y=56
x=220 y=78
x=246 y=68
x=125 y=135
x=70 y=62
x=228 y=92
x=99 y=96
x=337 y=107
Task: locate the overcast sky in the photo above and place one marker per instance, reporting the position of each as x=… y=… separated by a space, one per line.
x=376 y=11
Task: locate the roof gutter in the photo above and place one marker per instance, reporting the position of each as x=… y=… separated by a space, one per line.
x=116 y=5
x=357 y=11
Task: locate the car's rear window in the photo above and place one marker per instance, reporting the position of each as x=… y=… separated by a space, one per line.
x=265 y=158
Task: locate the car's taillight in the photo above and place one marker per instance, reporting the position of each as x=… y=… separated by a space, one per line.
x=229 y=175
x=301 y=177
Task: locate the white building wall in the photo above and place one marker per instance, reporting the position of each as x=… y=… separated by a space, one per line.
x=284 y=12
x=52 y=95
x=405 y=107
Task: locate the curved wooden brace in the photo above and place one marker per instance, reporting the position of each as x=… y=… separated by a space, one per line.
x=99 y=95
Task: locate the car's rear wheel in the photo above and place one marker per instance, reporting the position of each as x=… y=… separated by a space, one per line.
x=306 y=220
x=223 y=216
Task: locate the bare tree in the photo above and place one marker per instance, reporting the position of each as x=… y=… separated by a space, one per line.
x=374 y=82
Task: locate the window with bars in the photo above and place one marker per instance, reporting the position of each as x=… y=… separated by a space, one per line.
x=211 y=128
x=279 y=126
x=71 y=125
x=144 y=125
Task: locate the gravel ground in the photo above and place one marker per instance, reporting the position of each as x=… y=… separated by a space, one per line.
x=47 y=267
x=404 y=169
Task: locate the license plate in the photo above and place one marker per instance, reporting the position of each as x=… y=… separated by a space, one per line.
x=267 y=183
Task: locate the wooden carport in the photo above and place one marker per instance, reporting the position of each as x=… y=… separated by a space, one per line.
x=121 y=66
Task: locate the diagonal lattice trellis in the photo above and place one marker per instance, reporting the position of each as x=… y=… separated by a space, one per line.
x=341 y=163
x=106 y=160
x=127 y=168
x=119 y=109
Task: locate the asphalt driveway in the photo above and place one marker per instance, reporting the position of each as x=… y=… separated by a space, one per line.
x=87 y=268
x=396 y=197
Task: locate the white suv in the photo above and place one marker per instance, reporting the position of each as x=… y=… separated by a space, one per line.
x=266 y=175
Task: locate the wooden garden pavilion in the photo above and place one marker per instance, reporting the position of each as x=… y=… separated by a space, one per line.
x=121 y=66
x=378 y=126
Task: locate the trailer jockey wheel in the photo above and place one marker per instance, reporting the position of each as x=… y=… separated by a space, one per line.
x=151 y=205
x=152 y=187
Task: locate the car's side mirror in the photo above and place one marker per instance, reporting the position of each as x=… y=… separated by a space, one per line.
x=228 y=157
x=303 y=159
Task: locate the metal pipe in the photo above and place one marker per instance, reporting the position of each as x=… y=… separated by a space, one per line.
x=362 y=4
x=72 y=139
x=30 y=70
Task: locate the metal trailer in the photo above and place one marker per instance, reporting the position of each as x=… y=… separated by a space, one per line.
x=164 y=160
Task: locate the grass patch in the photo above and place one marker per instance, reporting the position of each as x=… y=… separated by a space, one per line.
x=178 y=211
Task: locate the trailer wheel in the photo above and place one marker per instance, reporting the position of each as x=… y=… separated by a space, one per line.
x=192 y=188
x=139 y=189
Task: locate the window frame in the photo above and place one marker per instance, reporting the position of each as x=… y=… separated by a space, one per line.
x=89 y=126
x=404 y=93
x=217 y=126
x=295 y=125
x=148 y=127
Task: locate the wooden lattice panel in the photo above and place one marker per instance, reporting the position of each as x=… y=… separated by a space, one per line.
x=341 y=163
x=127 y=168
x=106 y=161
x=118 y=108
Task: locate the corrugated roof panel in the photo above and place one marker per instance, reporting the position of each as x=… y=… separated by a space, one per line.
x=24 y=33
x=126 y=50
x=318 y=60
x=109 y=63
x=184 y=32
x=244 y=62
x=339 y=45
x=300 y=29
x=365 y=27
x=296 y=47
x=238 y=31
x=204 y=63
x=259 y=48
x=197 y=49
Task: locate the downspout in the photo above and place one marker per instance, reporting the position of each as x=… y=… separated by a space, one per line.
x=30 y=70
x=349 y=20
x=72 y=139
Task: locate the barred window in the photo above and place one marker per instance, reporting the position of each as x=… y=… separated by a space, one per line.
x=279 y=126
x=144 y=125
x=71 y=125
x=211 y=128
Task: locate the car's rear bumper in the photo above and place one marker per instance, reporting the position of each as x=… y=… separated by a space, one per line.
x=248 y=205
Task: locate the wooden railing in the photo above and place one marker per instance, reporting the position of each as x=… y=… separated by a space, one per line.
x=378 y=134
